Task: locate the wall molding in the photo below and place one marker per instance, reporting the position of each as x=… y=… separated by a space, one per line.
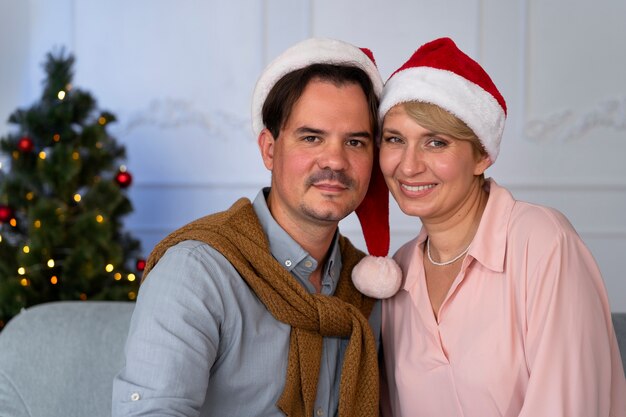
x=175 y=113
x=568 y=125
x=565 y=125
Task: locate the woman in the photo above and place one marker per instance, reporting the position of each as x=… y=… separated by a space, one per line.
x=502 y=310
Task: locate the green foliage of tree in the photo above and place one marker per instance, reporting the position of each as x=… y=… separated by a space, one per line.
x=62 y=201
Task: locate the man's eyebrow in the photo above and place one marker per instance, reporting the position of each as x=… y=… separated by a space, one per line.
x=309 y=130
x=364 y=134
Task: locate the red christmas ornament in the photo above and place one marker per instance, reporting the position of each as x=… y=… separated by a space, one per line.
x=25 y=144
x=141 y=264
x=123 y=179
x=6 y=213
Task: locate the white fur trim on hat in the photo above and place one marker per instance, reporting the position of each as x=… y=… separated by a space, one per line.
x=303 y=54
x=461 y=97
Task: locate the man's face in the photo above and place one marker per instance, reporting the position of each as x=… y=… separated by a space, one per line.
x=322 y=160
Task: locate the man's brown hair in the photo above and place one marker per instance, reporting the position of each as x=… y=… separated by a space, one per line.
x=286 y=92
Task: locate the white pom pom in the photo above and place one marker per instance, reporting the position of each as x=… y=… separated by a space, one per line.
x=377 y=276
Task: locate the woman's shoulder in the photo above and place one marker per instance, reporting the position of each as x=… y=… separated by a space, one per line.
x=539 y=224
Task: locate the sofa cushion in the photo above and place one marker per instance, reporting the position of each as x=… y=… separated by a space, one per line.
x=59 y=359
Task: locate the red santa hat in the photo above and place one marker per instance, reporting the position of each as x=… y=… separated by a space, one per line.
x=373 y=212
x=440 y=73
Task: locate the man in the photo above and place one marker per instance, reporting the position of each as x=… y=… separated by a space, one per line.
x=251 y=312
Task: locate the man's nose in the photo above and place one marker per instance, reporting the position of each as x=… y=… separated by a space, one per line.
x=333 y=156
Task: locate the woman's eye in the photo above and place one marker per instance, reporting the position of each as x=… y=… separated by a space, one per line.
x=437 y=143
x=392 y=139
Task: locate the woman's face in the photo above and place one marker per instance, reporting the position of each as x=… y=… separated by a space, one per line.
x=430 y=175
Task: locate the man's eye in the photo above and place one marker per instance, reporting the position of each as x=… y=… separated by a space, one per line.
x=310 y=138
x=355 y=142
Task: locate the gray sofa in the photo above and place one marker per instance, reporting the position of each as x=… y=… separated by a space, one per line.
x=59 y=359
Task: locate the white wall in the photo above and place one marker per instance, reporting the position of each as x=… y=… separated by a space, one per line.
x=179 y=75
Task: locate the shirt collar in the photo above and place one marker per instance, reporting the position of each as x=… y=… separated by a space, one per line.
x=490 y=241
x=291 y=255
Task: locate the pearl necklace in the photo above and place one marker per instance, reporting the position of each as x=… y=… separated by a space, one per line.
x=456 y=258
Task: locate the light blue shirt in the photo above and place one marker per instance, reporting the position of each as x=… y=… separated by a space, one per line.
x=202 y=344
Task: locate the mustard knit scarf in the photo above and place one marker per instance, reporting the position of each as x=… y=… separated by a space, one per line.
x=237 y=234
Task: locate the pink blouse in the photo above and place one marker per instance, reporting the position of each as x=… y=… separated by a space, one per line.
x=525 y=329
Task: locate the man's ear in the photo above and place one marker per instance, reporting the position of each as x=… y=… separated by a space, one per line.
x=266 y=146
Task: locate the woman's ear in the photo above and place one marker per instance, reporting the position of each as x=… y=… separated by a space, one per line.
x=483 y=163
x=266 y=146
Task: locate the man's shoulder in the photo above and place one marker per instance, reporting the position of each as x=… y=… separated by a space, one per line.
x=206 y=229
x=241 y=207
x=199 y=261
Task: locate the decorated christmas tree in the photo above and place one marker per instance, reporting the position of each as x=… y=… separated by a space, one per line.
x=62 y=200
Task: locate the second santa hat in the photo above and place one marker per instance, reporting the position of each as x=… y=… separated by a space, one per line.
x=440 y=73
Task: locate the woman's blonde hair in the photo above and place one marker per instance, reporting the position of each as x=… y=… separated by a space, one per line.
x=434 y=118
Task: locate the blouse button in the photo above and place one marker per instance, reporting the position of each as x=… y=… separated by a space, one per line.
x=135 y=396
x=287 y=263
x=319 y=412
x=308 y=264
